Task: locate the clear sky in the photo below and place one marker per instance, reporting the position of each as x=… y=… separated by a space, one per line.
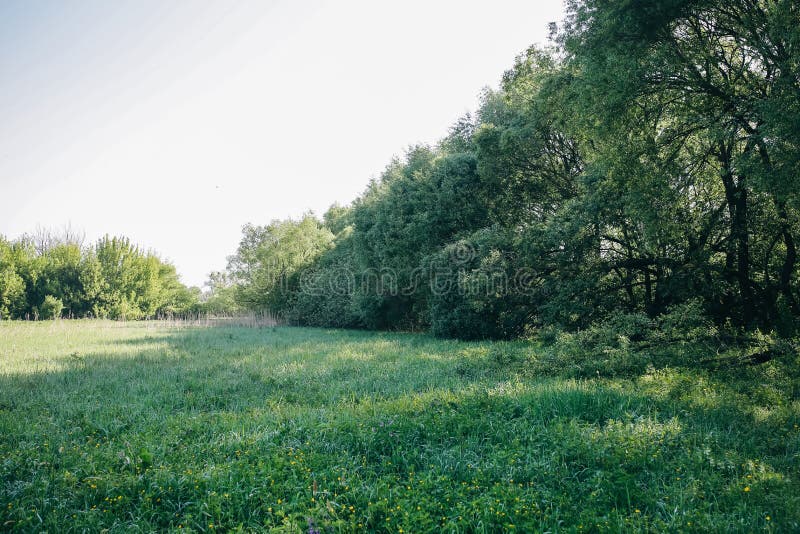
x=175 y=123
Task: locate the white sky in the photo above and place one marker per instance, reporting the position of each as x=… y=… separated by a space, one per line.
x=175 y=123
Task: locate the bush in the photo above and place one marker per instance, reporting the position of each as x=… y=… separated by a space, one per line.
x=628 y=343
x=570 y=356
x=51 y=308
x=124 y=310
x=785 y=323
x=684 y=322
x=324 y=298
x=324 y=294
x=474 y=291
x=548 y=335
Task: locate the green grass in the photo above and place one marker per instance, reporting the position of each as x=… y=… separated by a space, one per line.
x=134 y=426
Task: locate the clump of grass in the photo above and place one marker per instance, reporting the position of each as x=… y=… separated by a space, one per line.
x=289 y=429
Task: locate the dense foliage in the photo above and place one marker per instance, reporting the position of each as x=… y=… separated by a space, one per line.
x=650 y=159
x=47 y=277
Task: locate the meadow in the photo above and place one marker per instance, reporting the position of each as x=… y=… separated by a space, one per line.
x=139 y=427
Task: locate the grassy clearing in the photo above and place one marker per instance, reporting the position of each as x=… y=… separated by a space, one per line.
x=134 y=426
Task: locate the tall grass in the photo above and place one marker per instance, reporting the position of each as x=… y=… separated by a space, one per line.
x=207 y=320
x=159 y=426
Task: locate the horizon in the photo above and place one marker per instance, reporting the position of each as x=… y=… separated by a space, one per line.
x=176 y=125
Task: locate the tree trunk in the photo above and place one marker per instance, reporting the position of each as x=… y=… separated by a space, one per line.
x=736 y=195
x=789 y=262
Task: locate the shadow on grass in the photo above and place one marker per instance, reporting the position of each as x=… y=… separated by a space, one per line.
x=230 y=402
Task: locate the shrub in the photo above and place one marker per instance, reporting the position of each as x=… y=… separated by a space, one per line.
x=627 y=343
x=323 y=299
x=124 y=310
x=324 y=293
x=684 y=322
x=474 y=291
x=51 y=308
x=548 y=335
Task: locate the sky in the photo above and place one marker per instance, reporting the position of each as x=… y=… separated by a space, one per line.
x=175 y=123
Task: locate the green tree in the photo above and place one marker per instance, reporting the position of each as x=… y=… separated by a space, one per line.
x=220 y=298
x=12 y=286
x=693 y=87
x=267 y=263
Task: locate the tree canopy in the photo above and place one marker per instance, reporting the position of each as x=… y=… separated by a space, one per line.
x=49 y=276
x=650 y=158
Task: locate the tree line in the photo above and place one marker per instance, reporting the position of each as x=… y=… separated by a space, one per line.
x=648 y=160
x=46 y=276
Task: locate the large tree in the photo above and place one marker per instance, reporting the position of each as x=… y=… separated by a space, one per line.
x=268 y=262
x=682 y=99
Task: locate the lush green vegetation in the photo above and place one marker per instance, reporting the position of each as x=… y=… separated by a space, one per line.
x=622 y=212
x=649 y=159
x=137 y=426
x=47 y=276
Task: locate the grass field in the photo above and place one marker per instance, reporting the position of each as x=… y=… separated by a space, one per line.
x=140 y=427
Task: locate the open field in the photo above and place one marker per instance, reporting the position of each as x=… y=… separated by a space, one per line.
x=140 y=427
